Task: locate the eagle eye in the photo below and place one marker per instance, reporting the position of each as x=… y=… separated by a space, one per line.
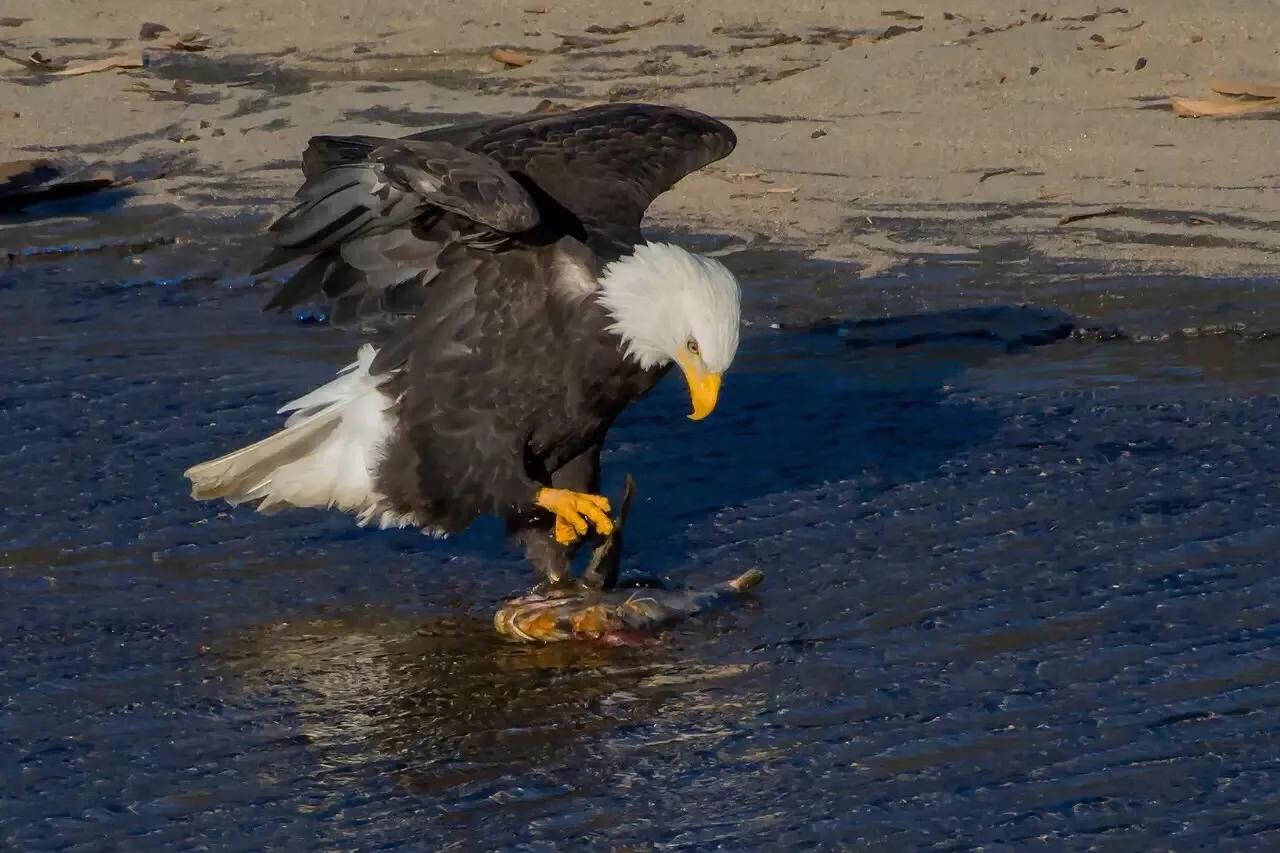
x=692 y=346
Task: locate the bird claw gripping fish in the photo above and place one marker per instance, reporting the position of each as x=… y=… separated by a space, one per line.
x=600 y=608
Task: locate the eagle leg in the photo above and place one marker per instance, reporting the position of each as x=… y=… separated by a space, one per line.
x=551 y=558
x=552 y=561
x=601 y=574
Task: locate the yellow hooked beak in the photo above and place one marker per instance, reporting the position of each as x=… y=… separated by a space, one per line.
x=704 y=387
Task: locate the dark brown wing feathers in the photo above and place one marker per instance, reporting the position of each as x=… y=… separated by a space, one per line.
x=605 y=164
x=371 y=186
x=375 y=213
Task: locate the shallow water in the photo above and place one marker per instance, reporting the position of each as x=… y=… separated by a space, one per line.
x=1020 y=589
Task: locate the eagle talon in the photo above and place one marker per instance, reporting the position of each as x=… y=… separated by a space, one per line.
x=566 y=533
x=575 y=513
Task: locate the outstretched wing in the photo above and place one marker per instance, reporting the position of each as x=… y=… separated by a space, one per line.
x=606 y=164
x=373 y=213
x=376 y=215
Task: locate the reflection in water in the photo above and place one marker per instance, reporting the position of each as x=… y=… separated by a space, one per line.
x=455 y=713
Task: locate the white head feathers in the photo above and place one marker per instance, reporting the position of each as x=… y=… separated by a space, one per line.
x=662 y=298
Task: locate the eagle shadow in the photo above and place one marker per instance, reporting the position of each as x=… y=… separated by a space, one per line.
x=866 y=399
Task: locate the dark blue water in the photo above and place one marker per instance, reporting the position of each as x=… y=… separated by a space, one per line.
x=1021 y=591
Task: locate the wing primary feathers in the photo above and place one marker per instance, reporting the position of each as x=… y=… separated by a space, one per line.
x=314 y=194
x=368 y=209
x=325 y=152
x=305 y=283
x=333 y=230
x=375 y=218
x=605 y=164
x=326 y=274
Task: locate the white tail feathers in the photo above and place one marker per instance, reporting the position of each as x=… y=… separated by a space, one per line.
x=324 y=457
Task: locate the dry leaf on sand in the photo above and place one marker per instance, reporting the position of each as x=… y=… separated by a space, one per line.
x=1220 y=108
x=510 y=58
x=124 y=60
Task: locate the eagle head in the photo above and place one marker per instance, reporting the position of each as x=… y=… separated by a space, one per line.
x=669 y=305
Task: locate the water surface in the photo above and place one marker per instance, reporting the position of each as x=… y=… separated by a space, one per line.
x=1020 y=591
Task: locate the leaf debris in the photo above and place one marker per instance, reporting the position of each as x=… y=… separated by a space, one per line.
x=108 y=63
x=510 y=57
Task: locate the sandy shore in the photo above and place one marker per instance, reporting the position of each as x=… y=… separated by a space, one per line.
x=944 y=128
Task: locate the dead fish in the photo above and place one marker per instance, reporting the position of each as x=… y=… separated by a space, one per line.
x=615 y=617
x=597 y=608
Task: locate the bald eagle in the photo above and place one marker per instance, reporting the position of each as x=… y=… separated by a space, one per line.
x=513 y=310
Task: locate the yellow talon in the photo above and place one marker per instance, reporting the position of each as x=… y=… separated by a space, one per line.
x=565 y=534
x=575 y=512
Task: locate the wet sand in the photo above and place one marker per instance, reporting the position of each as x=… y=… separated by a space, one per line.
x=943 y=128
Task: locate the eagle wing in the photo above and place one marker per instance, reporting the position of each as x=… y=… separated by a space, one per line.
x=602 y=165
x=378 y=216
x=375 y=214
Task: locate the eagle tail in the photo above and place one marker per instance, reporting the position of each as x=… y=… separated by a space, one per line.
x=324 y=457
